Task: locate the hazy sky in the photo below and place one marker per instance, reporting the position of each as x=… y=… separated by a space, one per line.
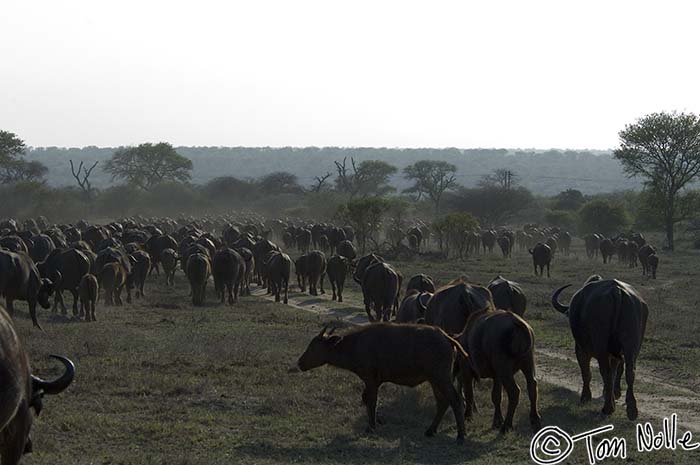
x=376 y=73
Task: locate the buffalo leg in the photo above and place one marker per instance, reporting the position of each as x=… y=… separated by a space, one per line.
x=75 y=301
x=286 y=291
x=513 y=392
x=608 y=375
x=619 y=370
x=630 y=400
x=229 y=289
x=369 y=312
x=441 y=405
x=340 y=291
x=529 y=373
x=496 y=391
x=584 y=363
x=322 y=276
x=92 y=310
x=548 y=270
x=335 y=296
x=369 y=397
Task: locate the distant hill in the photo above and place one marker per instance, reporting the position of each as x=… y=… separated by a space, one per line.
x=544 y=172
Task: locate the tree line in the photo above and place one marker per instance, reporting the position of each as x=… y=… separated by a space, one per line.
x=662 y=149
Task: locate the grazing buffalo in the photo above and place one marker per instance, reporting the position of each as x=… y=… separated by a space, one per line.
x=541 y=258
x=451 y=305
x=20 y=280
x=20 y=392
x=508 y=295
x=65 y=267
x=228 y=269
x=608 y=319
x=88 y=292
x=198 y=270
x=500 y=344
x=407 y=355
x=336 y=269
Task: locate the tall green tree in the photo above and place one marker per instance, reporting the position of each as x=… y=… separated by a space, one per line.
x=13 y=167
x=431 y=178
x=663 y=148
x=148 y=165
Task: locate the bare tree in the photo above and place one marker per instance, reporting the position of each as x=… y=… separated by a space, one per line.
x=320 y=180
x=82 y=177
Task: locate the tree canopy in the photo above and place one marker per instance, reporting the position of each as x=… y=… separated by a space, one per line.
x=431 y=178
x=601 y=216
x=13 y=167
x=365 y=216
x=369 y=178
x=147 y=165
x=664 y=149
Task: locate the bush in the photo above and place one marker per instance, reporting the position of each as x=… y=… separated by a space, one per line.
x=601 y=216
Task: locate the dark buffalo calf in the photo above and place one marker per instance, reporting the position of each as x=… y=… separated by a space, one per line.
x=407 y=355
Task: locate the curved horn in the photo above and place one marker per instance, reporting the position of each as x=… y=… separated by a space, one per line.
x=59 y=384
x=555 y=301
x=323 y=331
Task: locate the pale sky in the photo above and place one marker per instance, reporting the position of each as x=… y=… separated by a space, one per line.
x=528 y=74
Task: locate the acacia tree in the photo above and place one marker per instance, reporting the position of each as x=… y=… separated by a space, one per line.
x=13 y=168
x=149 y=164
x=432 y=178
x=369 y=178
x=664 y=148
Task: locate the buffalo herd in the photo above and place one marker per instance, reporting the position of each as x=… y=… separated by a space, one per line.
x=461 y=331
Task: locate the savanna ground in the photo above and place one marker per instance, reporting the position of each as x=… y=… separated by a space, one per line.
x=161 y=382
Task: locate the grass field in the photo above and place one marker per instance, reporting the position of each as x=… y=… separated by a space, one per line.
x=161 y=382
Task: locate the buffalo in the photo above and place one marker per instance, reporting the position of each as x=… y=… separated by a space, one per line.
x=336 y=269
x=21 y=391
x=88 y=292
x=508 y=295
x=608 y=319
x=20 y=280
x=451 y=305
x=407 y=355
x=228 y=269
x=500 y=344
x=198 y=270
x=541 y=258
